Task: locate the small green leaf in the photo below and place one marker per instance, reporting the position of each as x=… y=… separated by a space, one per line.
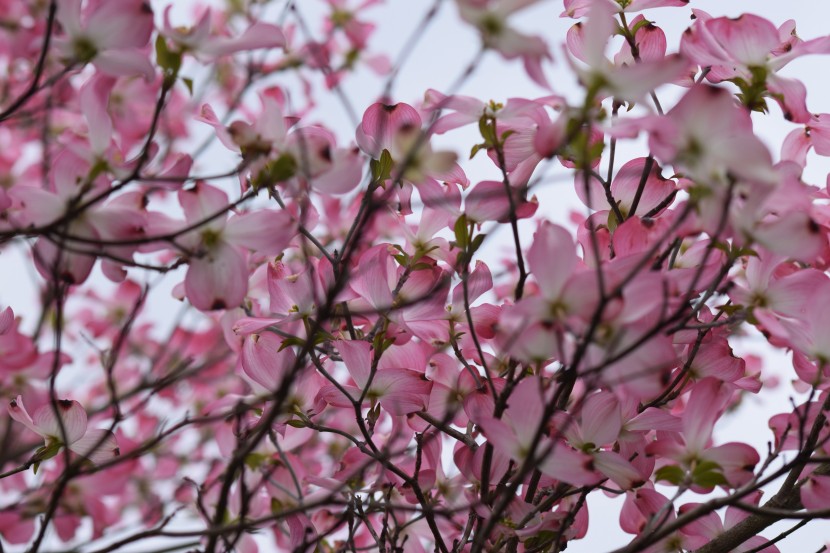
x=671 y=473
x=612 y=221
x=379 y=343
x=255 y=460
x=476 y=243
x=540 y=540
x=292 y=341
x=486 y=127
x=169 y=61
x=46 y=452
x=382 y=168
x=595 y=151
x=477 y=148
x=282 y=168
x=402 y=259
x=188 y=82
x=462 y=235
x=639 y=25
x=708 y=474
x=730 y=309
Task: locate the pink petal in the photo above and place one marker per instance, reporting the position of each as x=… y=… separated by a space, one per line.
x=705 y=405
x=601 y=419
x=737 y=460
x=650 y=40
x=620 y=471
x=257 y=36
x=125 y=63
x=627 y=182
x=96 y=445
x=16 y=529
x=637 y=5
x=219 y=280
x=249 y=325
x=552 y=259
x=639 y=506
x=357 y=356
x=632 y=82
x=734 y=515
x=72 y=415
x=401 y=391
x=749 y=39
x=575 y=41
x=267 y=232
x=592 y=195
x=488 y=201
x=345 y=174
x=502 y=437
x=94 y=97
x=371 y=278
x=69 y=16
x=654 y=419
x=600 y=27
x=302 y=534
x=815 y=494
x=117 y=24
x=820 y=133
x=381 y=123
x=790 y=294
x=53 y=262
x=708 y=526
x=568 y=465
x=18 y=412
x=794 y=234
x=207 y=115
x=332 y=395
x=263 y=361
x=202 y=201
x=791 y=95
x=478 y=282
x=6 y=320
x=39 y=207
x=796 y=146
x=525 y=408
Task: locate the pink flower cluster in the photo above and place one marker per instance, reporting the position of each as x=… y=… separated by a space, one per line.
x=356 y=364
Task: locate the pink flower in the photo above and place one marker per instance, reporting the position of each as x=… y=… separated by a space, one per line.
x=64 y=423
x=345 y=18
x=748 y=50
x=108 y=34
x=580 y=8
x=399 y=391
x=397 y=129
x=587 y=42
x=625 y=186
x=198 y=39
x=490 y=18
x=708 y=137
x=294 y=156
x=217 y=277
x=514 y=433
x=708 y=527
x=698 y=462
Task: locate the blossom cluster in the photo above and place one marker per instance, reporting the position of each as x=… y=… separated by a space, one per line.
x=354 y=366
